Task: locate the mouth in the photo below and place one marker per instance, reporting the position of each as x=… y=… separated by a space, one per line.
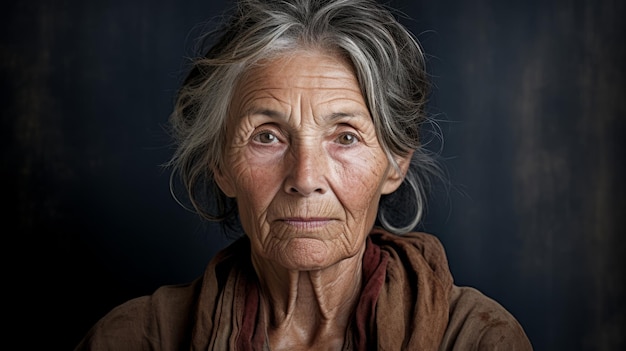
x=306 y=223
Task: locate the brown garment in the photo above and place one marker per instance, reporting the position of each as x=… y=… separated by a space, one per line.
x=408 y=302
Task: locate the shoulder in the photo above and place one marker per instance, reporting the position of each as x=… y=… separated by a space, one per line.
x=478 y=322
x=474 y=321
x=154 y=322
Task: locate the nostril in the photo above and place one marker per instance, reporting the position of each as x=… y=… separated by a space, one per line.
x=304 y=191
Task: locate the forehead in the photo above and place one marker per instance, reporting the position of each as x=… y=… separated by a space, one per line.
x=313 y=70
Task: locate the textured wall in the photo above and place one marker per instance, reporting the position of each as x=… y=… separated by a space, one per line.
x=532 y=107
x=532 y=97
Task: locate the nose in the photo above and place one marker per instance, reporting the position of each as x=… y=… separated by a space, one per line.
x=307 y=169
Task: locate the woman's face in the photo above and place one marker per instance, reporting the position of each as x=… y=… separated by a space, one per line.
x=303 y=161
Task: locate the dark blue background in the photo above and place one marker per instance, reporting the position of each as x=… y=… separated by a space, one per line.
x=531 y=98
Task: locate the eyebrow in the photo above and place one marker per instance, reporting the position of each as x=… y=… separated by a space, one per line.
x=266 y=112
x=339 y=115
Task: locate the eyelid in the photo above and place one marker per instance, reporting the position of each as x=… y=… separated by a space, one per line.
x=267 y=128
x=348 y=129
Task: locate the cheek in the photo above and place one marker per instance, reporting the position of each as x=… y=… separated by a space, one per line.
x=362 y=176
x=256 y=183
x=359 y=188
x=246 y=166
x=263 y=173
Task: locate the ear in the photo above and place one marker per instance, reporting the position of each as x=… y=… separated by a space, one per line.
x=224 y=181
x=395 y=178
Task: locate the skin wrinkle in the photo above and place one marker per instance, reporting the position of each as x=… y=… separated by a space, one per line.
x=310 y=271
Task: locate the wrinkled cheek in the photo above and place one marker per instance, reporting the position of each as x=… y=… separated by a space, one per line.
x=365 y=215
x=249 y=177
x=255 y=190
x=362 y=203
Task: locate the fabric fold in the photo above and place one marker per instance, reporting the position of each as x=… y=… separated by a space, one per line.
x=406 y=286
x=408 y=302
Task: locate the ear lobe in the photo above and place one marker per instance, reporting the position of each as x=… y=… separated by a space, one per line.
x=224 y=182
x=395 y=178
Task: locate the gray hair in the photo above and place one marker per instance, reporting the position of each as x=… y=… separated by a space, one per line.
x=389 y=64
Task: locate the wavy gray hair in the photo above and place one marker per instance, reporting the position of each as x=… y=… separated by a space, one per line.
x=389 y=65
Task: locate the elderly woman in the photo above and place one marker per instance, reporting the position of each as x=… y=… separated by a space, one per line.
x=305 y=116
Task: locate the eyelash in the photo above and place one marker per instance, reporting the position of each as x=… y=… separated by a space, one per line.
x=256 y=137
x=355 y=138
x=275 y=138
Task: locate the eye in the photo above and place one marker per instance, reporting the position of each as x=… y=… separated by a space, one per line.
x=347 y=139
x=265 y=137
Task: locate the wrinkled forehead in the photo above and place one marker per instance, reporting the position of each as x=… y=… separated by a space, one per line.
x=300 y=68
x=318 y=75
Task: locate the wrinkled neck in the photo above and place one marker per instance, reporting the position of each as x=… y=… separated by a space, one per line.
x=305 y=307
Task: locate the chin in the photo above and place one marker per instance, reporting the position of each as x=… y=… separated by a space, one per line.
x=309 y=254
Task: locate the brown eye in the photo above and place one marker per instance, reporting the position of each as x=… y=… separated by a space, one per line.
x=347 y=139
x=265 y=138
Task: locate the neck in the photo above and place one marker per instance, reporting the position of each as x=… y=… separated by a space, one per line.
x=309 y=307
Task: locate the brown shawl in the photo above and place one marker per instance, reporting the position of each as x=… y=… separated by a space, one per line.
x=408 y=302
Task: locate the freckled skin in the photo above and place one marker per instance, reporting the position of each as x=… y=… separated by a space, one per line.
x=307 y=170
